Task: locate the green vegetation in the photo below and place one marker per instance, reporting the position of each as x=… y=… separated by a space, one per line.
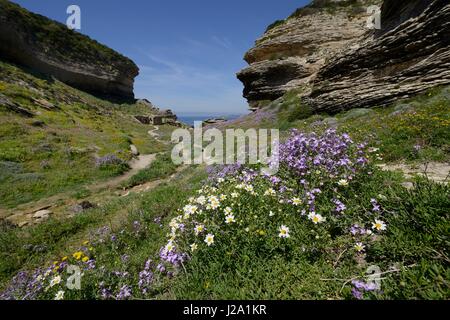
x=275 y=24
x=25 y=249
x=320 y=262
x=351 y=6
x=292 y=109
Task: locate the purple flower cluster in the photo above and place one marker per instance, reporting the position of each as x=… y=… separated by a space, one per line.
x=90 y=264
x=23 y=286
x=125 y=292
x=340 y=207
x=222 y=171
x=110 y=159
x=173 y=257
x=158 y=220
x=375 y=205
x=357 y=230
x=335 y=155
x=146 y=277
x=360 y=287
x=311 y=196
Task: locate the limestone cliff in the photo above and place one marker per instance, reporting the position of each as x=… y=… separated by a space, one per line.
x=410 y=54
x=327 y=50
x=291 y=52
x=51 y=48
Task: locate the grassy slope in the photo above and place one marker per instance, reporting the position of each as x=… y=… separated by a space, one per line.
x=420 y=121
x=55 y=150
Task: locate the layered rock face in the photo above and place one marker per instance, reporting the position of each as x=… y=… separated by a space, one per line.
x=410 y=54
x=290 y=54
x=49 y=47
x=343 y=65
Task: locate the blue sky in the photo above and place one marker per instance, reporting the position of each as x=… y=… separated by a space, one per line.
x=188 y=51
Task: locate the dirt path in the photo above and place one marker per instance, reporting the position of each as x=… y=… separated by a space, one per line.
x=139 y=163
x=436 y=171
x=153 y=132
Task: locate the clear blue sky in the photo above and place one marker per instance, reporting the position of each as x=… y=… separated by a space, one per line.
x=188 y=51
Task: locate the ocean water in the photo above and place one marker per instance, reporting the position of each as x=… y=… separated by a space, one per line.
x=189 y=119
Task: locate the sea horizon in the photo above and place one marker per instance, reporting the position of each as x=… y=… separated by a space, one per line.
x=190 y=118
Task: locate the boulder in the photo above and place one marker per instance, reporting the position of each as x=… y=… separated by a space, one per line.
x=134 y=150
x=42 y=214
x=82 y=206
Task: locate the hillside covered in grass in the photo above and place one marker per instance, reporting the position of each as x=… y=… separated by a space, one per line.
x=52 y=137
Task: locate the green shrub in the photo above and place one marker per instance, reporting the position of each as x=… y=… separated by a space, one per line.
x=275 y=24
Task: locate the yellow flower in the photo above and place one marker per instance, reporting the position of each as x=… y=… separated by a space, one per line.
x=85 y=243
x=262 y=233
x=77 y=255
x=64 y=258
x=85 y=259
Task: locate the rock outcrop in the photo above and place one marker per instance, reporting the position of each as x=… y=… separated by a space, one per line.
x=410 y=54
x=49 y=47
x=340 y=64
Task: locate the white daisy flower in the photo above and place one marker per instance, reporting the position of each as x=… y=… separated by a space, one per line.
x=194 y=247
x=201 y=200
x=359 y=247
x=248 y=188
x=234 y=195
x=269 y=192
x=223 y=197
x=316 y=218
x=379 y=225
x=169 y=246
x=56 y=280
x=209 y=239
x=229 y=219
x=190 y=209
x=199 y=229
x=271 y=214
x=296 y=201
x=227 y=210
x=174 y=223
x=343 y=183
x=59 y=295
x=214 y=202
x=284 y=232
x=240 y=186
